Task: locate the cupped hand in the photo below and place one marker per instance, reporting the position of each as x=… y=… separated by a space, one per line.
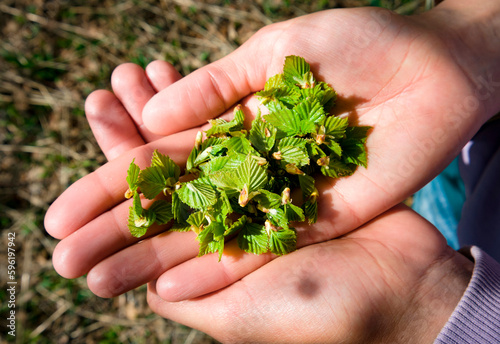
x=400 y=75
x=394 y=280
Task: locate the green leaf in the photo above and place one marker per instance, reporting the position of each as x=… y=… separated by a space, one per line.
x=239 y=145
x=251 y=174
x=253 y=238
x=293 y=151
x=162 y=210
x=311 y=211
x=221 y=126
x=268 y=200
x=310 y=110
x=323 y=92
x=307 y=185
x=152 y=181
x=167 y=166
x=198 y=193
x=278 y=217
x=284 y=120
x=277 y=90
x=139 y=219
x=133 y=176
x=337 y=169
x=283 y=241
x=293 y=213
x=236 y=226
x=296 y=71
x=212 y=239
x=335 y=127
x=262 y=134
x=353 y=146
x=180 y=210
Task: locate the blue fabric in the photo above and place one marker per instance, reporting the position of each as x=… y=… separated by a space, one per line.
x=441 y=201
x=480 y=170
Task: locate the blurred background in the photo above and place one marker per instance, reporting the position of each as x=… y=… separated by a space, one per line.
x=52 y=55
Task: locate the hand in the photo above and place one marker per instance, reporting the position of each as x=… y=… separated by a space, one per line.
x=382 y=83
x=392 y=281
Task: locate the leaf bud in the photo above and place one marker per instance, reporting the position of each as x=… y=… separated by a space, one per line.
x=270 y=227
x=285 y=196
x=277 y=155
x=198 y=140
x=244 y=197
x=262 y=208
x=323 y=161
x=293 y=169
x=129 y=194
x=141 y=221
x=321 y=135
x=314 y=196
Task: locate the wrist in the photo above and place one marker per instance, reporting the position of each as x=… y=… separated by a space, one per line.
x=471 y=32
x=436 y=297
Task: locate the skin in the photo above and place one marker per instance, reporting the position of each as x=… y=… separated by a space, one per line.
x=421 y=83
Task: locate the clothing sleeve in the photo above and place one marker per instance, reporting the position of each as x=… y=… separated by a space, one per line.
x=476 y=319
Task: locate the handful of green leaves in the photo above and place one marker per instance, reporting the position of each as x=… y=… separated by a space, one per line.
x=241 y=180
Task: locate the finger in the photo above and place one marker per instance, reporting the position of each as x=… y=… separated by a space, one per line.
x=209 y=91
x=132 y=87
x=202 y=275
x=111 y=124
x=161 y=74
x=79 y=252
x=103 y=189
x=140 y=263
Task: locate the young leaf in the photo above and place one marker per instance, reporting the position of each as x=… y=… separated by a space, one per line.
x=337 y=168
x=251 y=174
x=221 y=126
x=139 y=219
x=293 y=151
x=167 y=166
x=296 y=72
x=236 y=226
x=198 y=193
x=267 y=200
x=132 y=178
x=325 y=94
x=262 y=134
x=212 y=239
x=283 y=241
x=253 y=238
x=353 y=146
x=311 y=211
x=310 y=110
x=277 y=90
x=284 y=120
x=162 y=210
x=307 y=186
x=152 y=181
x=335 y=127
x=294 y=213
x=180 y=210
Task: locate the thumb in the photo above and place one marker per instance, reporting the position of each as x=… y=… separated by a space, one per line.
x=210 y=90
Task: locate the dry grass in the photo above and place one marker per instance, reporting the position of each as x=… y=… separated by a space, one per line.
x=52 y=55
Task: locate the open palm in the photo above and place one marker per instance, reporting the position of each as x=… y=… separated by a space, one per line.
x=348 y=290
x=399 y=75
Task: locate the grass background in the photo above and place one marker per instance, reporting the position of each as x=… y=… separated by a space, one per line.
x=52 y=55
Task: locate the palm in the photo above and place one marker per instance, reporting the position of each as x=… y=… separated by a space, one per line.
x=398 y=81
x=343 y=290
